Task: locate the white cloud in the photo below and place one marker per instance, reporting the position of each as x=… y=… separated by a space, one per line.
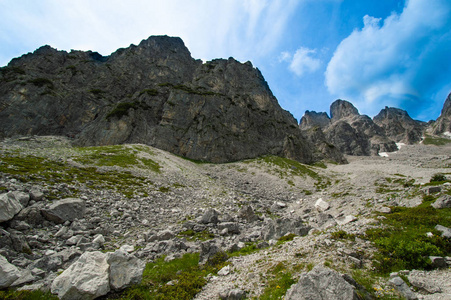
x=243 y=29
x=302 y=61
x=395 y=59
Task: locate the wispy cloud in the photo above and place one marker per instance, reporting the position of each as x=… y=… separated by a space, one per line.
x=244 y=29
x=395 y=60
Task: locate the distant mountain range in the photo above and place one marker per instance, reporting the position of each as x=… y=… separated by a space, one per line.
x=157 y=94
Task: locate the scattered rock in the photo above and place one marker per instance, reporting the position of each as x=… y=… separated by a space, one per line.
x=233 y=294
x=438 y=262
x=345 y=220
x=280 y=227
x=402 y=288
x=321 y=283
x=210 y=217
x=446 y=232
x=443 y=201
x=247 y=213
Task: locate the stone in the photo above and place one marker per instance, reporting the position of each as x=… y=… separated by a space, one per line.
x=438 y=262
x=99 y=240
x=8 y=273
x=321 y=205
x=402 y=288
x=87 y=278
x=277 y=228
x=443 y=201
x=432 y=190
x=31 y=214
x=210 y=217
x=165 y=235
x=384 y=210
x=125 y=269
x=446 y=232
x=36 y=194
x=21 y=197
x=232 y=227
x=233 y=294
x=127 y=248
x=64 y=210
x=247 y=213
x=423 y=282
x=210 y=251
x=224 y=271
x=321 y=283
x=26 y=276
x=9 y=207
x=345 y=220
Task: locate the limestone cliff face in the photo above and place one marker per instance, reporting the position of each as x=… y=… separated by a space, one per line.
x=443 y=123
x=399 y=126
x=154 y=93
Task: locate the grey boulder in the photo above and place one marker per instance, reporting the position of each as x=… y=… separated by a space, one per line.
x=8 y=273
x=125 y=269
x=64 y=210
x=87 y=278
x=9 y=207
x=321 y=284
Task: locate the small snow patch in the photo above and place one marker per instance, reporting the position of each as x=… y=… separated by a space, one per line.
x=399 y=145
x=383 y=154
x=447 y=134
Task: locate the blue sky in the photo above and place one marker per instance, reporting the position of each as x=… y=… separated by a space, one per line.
x=311 y=52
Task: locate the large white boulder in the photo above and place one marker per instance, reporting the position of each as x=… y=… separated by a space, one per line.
x=8 y=273
x=321 y=205
x=87 y=278
x=125 y=269
x=9 y=207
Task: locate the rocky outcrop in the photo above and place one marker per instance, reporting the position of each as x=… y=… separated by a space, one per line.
x=443 y=123
x=399 y=126
x=321 y=283
x=347 y=130
x=154 y=93
x=312 y=125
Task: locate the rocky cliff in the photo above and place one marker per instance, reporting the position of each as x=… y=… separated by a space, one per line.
x=399 y=126
x=154 y=93
x=350 y=132
x=443 y=124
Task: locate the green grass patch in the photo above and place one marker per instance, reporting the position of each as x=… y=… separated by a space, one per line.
x=26 y=295
x=437 y=141
x=192 y=235
x=342 y=235
x=41 y=82
x=404 y=244
x=184 y=274
x=286 y=238
x=39 y=170
x=119 y=155
x=280 y=282
x=251 y=247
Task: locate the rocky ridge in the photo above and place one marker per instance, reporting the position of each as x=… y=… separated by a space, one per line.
x=356 y=134
x=443 y=123
x=67 y=216
x=154 y=93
